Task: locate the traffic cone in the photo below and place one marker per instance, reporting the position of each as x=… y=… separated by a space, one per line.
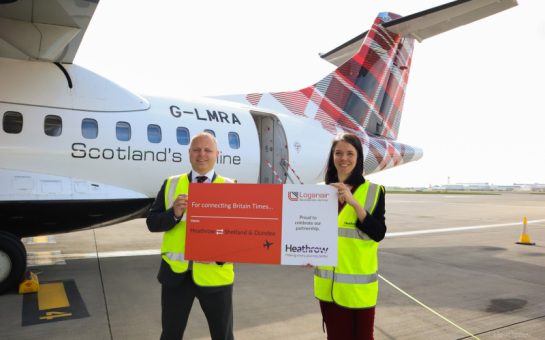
x=524 y=238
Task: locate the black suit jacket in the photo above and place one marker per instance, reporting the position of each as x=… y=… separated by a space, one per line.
x=160 y=220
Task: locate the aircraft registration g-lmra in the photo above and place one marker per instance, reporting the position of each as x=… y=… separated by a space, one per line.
x=78 y=151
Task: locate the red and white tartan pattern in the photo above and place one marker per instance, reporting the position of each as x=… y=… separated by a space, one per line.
x=364 y=96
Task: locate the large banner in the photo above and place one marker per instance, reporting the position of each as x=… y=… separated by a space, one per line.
x=262 y=223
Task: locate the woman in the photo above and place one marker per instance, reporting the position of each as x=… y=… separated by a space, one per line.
x=348 y=291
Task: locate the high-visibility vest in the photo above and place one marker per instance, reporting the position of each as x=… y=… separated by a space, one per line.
x=173 y=247
x=353 y=283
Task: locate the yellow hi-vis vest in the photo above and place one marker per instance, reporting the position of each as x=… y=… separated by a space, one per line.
x=353 y=283
x=173 y=247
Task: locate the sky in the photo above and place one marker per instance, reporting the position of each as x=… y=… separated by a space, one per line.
x=473 y=101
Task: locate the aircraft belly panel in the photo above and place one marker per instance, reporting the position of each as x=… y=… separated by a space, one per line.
x=16 y=185
x=25 y=218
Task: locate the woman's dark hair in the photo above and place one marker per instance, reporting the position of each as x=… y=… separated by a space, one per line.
x=356 y=177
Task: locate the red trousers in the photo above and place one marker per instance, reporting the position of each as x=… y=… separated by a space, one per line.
x=347 y=324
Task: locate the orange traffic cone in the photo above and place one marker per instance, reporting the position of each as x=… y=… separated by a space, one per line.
x=524 y=238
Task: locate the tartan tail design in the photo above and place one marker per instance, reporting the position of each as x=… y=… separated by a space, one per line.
x=365 y=93
x=391 y=105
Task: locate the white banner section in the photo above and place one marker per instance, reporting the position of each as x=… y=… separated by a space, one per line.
x=309 y=225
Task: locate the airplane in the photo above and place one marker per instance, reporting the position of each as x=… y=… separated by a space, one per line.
x=267 y=244
x=79 y=151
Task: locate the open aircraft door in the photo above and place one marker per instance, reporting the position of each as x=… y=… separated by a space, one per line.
x=273 y=148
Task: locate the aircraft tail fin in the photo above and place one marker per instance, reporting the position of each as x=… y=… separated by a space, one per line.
x=369 y=87
x=366 y=91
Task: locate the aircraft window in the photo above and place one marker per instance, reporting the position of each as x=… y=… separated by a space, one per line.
x=234 y=140
x=53 y=125
x=182 y=135
x=89 y=128
x=154 y=133
x=12 y=122
x=210 y=132
x=123 y=131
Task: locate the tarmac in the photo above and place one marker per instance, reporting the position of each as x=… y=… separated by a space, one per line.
x=449 y=268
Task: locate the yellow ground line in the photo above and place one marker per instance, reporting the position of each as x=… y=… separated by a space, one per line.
x=40 y=239
x=428 y=308
x=52 y=295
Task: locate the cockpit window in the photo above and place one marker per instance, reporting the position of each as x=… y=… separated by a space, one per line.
x=234 y=140
x=210 y=132
x=53 y=125
x=12 y=122
x=123 y=131
x=89 y=128
x=154 y=133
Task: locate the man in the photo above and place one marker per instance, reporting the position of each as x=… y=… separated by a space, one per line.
x=182 y=280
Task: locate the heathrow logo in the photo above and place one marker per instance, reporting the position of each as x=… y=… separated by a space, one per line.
x=305 y=249
x=307 y=196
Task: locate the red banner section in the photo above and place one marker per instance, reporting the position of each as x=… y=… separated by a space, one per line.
x=234 y=223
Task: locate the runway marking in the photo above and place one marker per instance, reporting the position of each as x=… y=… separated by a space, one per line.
x=55 y=301
x=446 y=230
x=107 y=254
x=521 y=335
x=54 y=315
x=428 y=308
x=58 y=258
x=52 y=295
x=38 y=258
x=48 y=239
x=147 y=252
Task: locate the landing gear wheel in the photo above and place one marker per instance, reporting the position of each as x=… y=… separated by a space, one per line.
x=12 y=261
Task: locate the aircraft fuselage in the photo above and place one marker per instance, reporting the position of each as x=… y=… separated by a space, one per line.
x=71 y=159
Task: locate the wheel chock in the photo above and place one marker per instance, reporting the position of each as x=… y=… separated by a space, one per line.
x=30 y=283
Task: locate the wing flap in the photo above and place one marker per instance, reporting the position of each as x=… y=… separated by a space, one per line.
x=55 y=39
x=48 y=30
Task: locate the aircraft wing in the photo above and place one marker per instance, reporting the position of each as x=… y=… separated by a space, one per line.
x=425 y=24
x=48 y=30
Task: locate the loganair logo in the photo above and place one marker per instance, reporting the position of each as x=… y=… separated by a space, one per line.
x=307 y=196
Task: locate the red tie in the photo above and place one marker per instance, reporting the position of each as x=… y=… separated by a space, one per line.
x=201 y=179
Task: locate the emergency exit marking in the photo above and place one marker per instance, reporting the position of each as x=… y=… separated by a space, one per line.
x=55 y=301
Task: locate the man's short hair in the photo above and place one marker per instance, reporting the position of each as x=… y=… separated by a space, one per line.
x=204 y=134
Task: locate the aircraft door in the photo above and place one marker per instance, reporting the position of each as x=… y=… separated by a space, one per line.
x=273 y=149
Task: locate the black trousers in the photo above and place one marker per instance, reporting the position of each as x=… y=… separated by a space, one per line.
x=216 y=303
